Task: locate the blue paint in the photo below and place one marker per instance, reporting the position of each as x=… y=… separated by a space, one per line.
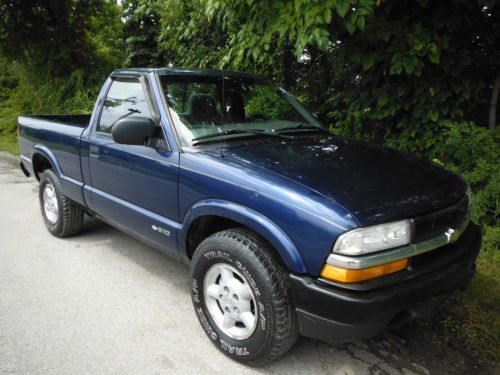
x=300 y=194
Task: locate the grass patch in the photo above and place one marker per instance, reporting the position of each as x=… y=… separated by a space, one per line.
x=9 y=143
x=470 y=321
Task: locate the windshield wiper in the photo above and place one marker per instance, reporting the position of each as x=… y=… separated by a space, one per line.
x=301 y=126
x=236 y=131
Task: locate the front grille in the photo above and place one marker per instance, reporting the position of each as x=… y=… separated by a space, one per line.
x=436 y=257
x=436 y=223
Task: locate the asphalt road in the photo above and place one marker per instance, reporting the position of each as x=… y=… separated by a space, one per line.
x=103 y=303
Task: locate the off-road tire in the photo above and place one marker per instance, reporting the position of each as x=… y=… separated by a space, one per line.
x=277 y=326
x=70 y=216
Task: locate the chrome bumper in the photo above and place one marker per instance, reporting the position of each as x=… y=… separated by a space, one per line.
x=372 y=260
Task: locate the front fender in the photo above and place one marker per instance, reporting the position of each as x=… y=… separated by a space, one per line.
x=249 y=218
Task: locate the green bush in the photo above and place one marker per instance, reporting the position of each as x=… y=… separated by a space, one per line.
x=474 y=153
x=64 y=95
x=471 y=320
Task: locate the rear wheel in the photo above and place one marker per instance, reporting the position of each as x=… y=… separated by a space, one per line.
x=61 y=215
x=242 y=298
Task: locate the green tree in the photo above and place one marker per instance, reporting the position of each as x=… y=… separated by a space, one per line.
x=418 y=65
x=141 y=30
x=259 y=36
x=55 y=37
x=188 y=37
x=59 y=52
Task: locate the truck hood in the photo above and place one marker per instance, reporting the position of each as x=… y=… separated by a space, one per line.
x=375 y=184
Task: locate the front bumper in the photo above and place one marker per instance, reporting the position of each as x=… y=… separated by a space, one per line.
x=334 y=313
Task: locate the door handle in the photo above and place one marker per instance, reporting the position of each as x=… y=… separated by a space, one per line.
x=94 y=151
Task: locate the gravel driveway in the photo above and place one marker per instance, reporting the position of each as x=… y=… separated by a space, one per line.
x=103 y=303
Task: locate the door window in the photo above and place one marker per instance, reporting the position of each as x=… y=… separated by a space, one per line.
x=125 y=98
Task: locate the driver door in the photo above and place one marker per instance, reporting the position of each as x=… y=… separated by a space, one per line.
x=134 y=187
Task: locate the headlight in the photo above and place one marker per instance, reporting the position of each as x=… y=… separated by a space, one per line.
x=375 y=238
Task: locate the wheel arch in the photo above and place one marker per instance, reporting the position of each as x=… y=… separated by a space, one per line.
x=230 y=213
x=42 y=159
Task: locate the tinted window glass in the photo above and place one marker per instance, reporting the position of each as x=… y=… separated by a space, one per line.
x=196 y=102
x=264 y=103
x=125 y=98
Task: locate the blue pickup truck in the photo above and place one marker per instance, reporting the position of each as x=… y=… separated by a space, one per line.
x=287 y=228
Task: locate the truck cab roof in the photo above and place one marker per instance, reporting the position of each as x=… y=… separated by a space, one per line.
x=184 y=71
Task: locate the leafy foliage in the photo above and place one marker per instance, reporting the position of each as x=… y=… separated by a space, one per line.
x=473 y=152
x=472 y=320
x=435 y=63
x=264 y=103
x=187 y=37
x=54 y=55
x=142 y=27
x=298 y=23
x=54 y=38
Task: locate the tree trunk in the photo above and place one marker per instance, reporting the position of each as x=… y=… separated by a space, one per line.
x=493 y=104
x=288 y=61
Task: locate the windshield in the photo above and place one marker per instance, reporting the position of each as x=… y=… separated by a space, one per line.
x=202 y=114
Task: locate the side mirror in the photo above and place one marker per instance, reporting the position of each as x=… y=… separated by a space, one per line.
x=133 y=130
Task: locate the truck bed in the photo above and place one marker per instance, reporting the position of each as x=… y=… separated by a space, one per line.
x=61 y=134
x=79 y=120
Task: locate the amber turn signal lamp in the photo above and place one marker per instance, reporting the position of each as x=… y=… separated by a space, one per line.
x=345 y=275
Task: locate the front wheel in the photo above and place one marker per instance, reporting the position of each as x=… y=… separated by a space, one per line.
x=242 y=298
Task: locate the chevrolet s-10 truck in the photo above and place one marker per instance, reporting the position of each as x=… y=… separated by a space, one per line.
x=287 y=228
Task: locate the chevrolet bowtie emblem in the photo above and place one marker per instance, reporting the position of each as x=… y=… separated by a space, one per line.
x=453 y=234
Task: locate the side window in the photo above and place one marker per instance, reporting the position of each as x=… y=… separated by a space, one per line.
x=125 y=98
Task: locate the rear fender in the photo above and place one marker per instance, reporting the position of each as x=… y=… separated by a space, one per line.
x=72 y=188
x=45 y=152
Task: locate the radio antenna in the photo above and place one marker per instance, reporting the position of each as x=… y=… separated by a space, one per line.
x=222 y=115
x=222 y=101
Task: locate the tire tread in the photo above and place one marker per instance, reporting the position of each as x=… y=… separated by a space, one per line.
x=286 y=328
